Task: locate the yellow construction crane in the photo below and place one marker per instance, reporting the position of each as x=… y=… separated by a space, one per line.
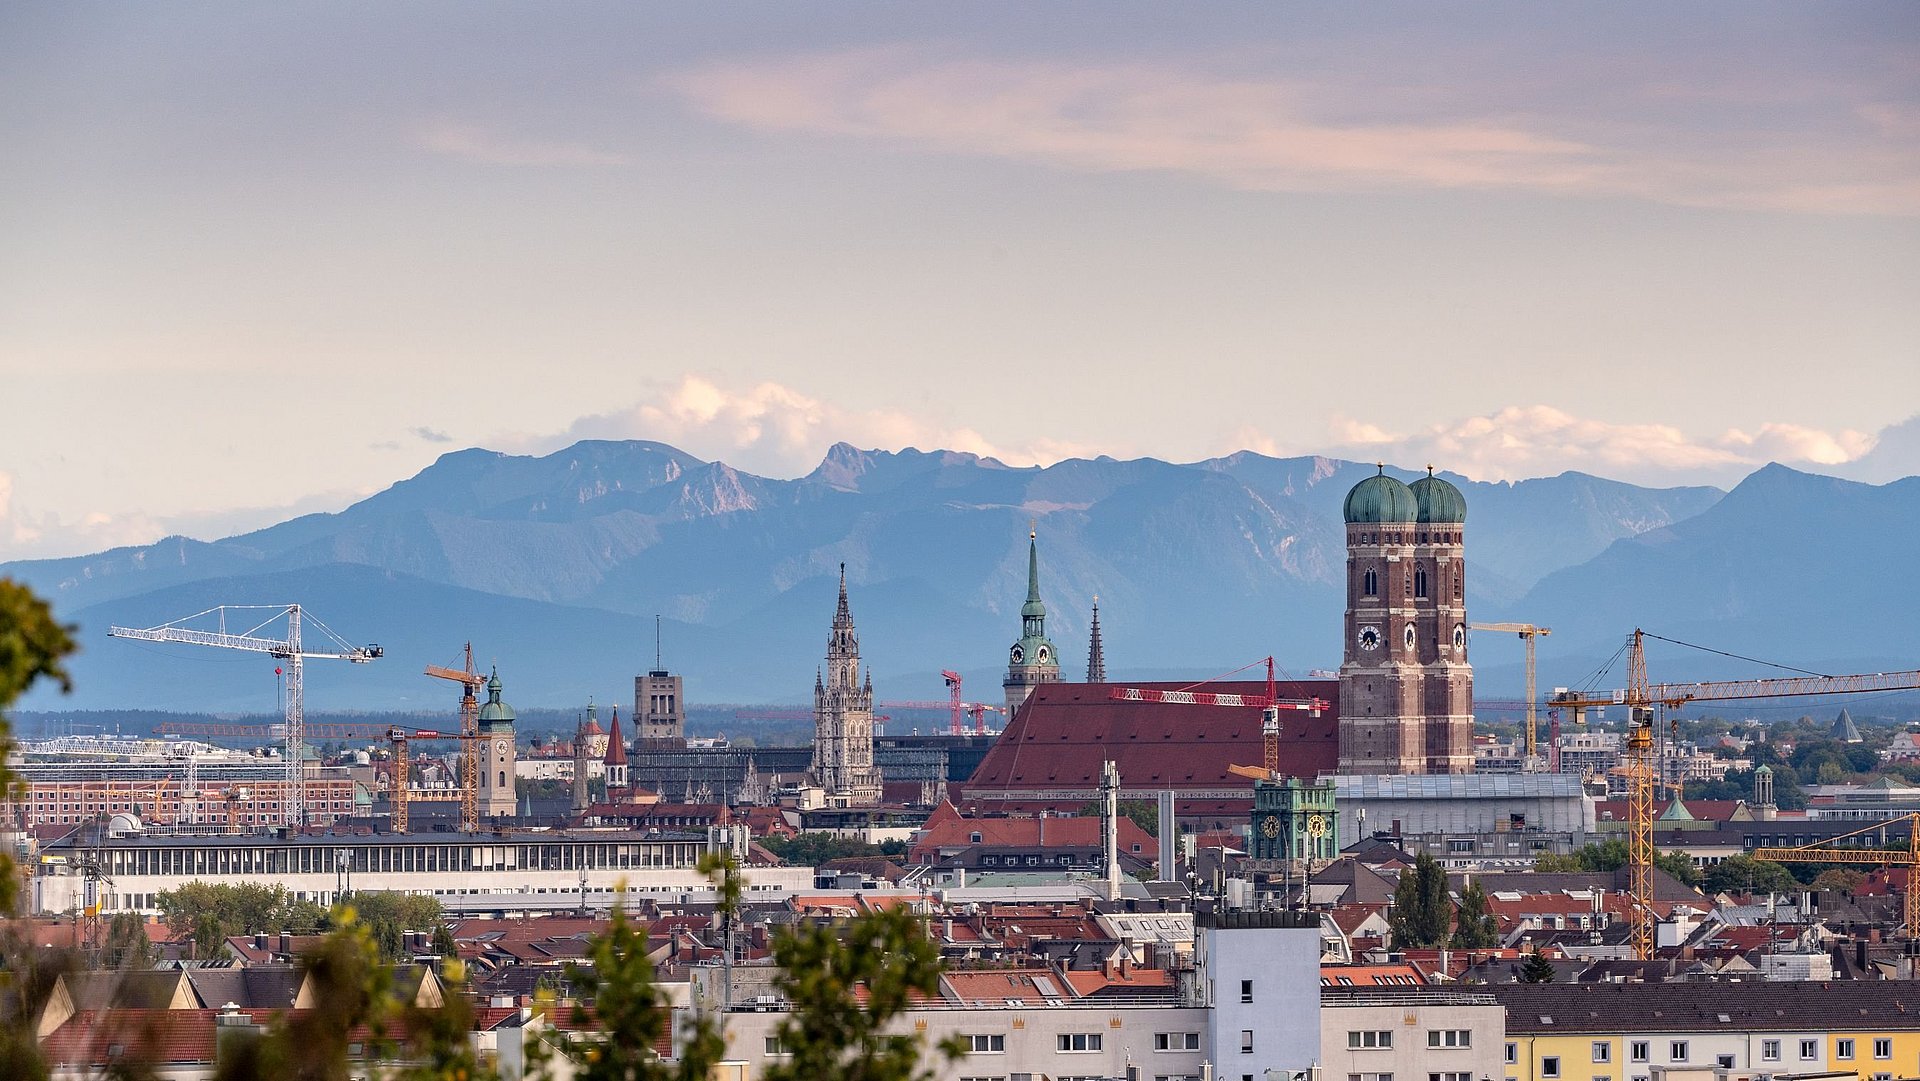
x=1908 y=857
x=1640 y=698
x=1527 y=632
x=470 y=683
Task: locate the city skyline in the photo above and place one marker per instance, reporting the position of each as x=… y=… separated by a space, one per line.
x=269 y=261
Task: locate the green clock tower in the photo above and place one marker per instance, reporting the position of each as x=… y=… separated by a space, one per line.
x=1293 y=820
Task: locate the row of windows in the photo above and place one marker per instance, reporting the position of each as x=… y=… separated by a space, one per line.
x=427 y=858
x=1680 y=1050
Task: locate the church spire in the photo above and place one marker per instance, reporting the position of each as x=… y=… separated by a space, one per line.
x=842 y=616
x=1033 y=574
x=1096 y=656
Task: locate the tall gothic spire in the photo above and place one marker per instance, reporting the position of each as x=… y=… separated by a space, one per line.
x=1096 y=656
x=1033 y=574
x=841 y=615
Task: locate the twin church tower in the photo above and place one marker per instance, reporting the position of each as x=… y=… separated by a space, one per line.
x=1406 y=689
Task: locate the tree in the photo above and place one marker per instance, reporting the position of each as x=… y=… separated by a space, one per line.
x=1536 y=969
x=127 y=944
x=388 y=916
x=1144 y=813
x=33 y=646
x=353 y=993
x=209 y=913
x=1744 y=874
x=1422 y=915
x=814 y=849
x=834 y=1032
x=1839 y=878
x=1679 y=865
x=1475 y=929
x=1555 y=862
x=629 y=1013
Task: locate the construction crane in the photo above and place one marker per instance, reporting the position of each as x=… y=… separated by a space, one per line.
x=289 y=649
x=470 y=683
x=1527 y=632
x=403 y=776
x=957 y=710
x=1908 y=857
x=1640 y=697
x=1270 y=705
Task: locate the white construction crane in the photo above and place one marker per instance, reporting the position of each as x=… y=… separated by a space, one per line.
x=293 y=802
x=1527 y=632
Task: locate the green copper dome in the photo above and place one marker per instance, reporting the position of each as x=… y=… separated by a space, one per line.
x=495 y=711
x=1437 y=501
x=1380 y=498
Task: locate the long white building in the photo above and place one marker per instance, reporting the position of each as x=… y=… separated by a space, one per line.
x=511 y=871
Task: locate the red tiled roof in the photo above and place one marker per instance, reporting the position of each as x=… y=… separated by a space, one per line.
x=616 y=747
x=1403 y=975
x=1064 y=731
x=947 y=828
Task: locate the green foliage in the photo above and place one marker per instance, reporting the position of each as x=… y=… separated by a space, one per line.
x=1536 y=969
x=832 y=1032
x=1744 y=874
x=615 y=1039
x=1144 y=813
x=209 y=913
x=352 y=991
x=1679 y=865
x=127 y=945
x=1839 y=878
x=1422 y=914
x=814 y=849
x=32 y=647
x=1475 y=928
x=1554 y=862
x=387 y=917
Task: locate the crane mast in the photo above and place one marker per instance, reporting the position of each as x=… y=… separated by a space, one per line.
x=1527 y=632
x=293 y=802
x=1640 y=698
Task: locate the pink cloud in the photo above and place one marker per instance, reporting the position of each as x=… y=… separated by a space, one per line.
x=1274 y=134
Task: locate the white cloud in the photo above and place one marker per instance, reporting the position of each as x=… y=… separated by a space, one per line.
x=1286 y=133
x=1540 y=440
x=776 y=430
x=471 y=142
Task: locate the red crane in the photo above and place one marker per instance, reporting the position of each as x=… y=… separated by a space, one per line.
x=1270 y=704
x=957 y=709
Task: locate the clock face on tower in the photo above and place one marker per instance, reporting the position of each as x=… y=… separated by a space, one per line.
x=500 y=748
x=1316 y=825
x=1369 y=638
x=1017 y=654
x=1271 y=827
x=1043 y=655
x=1410 y=636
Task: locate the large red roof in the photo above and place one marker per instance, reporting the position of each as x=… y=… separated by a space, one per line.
x=1058 y=738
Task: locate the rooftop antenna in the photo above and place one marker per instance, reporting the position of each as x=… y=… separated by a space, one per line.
x=656 y=641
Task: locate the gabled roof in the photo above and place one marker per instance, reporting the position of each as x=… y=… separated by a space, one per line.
x=1059 y=737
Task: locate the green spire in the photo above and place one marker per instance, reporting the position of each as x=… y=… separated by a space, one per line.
x=1034 y=608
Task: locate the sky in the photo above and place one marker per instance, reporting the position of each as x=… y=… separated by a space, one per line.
x=259 y=260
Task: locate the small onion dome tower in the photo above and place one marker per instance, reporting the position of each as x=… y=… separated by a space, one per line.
x=497 y=761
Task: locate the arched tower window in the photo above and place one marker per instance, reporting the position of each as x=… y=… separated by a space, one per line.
x=1370 y=584
x=1420 y=583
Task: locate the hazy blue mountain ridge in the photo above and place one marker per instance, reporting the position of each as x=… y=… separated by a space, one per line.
x=556 y=565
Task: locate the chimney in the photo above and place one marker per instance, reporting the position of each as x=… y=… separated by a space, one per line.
x=1043 y=830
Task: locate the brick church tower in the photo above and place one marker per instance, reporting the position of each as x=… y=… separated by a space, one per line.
x=1406 y=689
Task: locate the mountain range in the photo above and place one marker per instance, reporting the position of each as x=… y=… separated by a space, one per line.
x=556 y=566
